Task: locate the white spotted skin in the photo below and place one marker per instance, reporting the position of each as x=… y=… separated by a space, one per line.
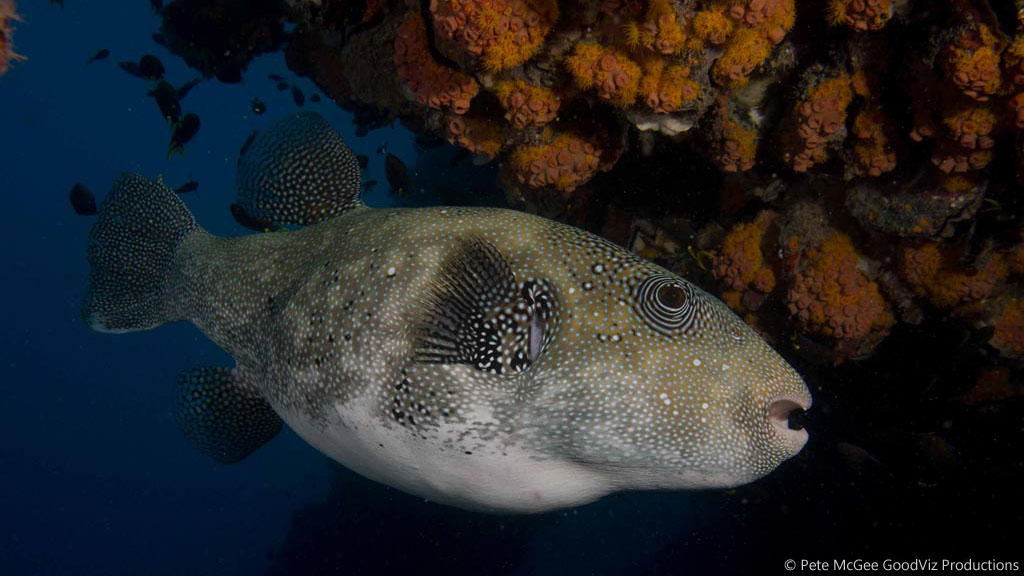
x=624 y=394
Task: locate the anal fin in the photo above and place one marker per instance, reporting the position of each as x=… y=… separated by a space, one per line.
x=223 y=417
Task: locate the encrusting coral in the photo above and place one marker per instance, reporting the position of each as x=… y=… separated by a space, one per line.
x=612 y=74
x=433 y=84
x=860 y=15
x=527 y=105
x=567 y=161
x=1008 y=337
x=8 y=15
x=820 y=120
x=740 y=264
x=833 y=298
x=935 y=274
x=478 y=135
x=898 y=123
x=501 y=33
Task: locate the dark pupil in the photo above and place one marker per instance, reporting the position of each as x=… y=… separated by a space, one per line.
x=671 y=296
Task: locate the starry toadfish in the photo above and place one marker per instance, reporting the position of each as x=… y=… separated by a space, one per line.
x=484 y=358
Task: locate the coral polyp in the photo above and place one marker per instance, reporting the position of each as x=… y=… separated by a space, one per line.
x=831 y=297
x=612 y=74
x=502 y=34
x=8 y=16
x=433 y=84
x=564 y=163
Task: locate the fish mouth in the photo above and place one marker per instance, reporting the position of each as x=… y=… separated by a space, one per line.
x=786 y=416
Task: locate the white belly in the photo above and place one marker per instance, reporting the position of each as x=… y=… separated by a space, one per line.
x=492 y=478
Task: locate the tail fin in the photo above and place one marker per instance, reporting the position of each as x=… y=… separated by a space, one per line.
x=131 y=253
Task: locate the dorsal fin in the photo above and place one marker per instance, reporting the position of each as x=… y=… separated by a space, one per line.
x=300 y=171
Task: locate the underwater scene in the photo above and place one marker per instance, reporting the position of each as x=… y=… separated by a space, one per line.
x=555 y=287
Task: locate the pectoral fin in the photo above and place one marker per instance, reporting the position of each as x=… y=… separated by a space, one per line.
x=225 y=418
x=477 y=313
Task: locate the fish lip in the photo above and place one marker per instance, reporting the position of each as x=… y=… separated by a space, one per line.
x=777 y=412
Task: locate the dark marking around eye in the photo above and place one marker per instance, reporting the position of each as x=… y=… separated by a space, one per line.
x=668 y=305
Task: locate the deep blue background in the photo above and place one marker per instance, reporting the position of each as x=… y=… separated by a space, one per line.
x=94 y=476
x=96 y=479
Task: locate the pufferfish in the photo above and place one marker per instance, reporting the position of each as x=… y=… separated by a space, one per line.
x=484 y=358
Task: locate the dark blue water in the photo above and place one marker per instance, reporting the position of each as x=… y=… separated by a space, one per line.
x=95 y=478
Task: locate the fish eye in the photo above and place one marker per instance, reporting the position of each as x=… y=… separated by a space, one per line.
x=671 y=296
x=667 y=304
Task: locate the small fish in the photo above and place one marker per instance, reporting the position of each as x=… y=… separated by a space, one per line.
x=151 y=67
x=156 y=5
x=369 y=185
x=190 y=186
x=257 y=106
x=82 y=200
x=183 y=133
x=282 y=86
x=363 y=160
x=187 y=87
x=100 y=54
x=275 y=78
x=398 y=176
x=148 y=67
x=483 y=358
x=166 y=97
x=248 y=142
x=315 y=97
x=297 y=96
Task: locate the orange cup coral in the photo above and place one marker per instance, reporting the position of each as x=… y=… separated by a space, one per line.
x=565 y=163
x=527 y=105
x=774 y=18
x=659 y=31
x=712 y=26
x=859 y=14
x=971 y=61
x=477 y=135
x=874 y=155
x=746 y=50
x=936 y=276
x=733 y=145
x=667 y=89
x=612 y=73
x=8 y=15
x=831 y=297
x=432 y=84
x=740 y=265
x=1009 y=328
x=502 y=33
x=820 y=115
